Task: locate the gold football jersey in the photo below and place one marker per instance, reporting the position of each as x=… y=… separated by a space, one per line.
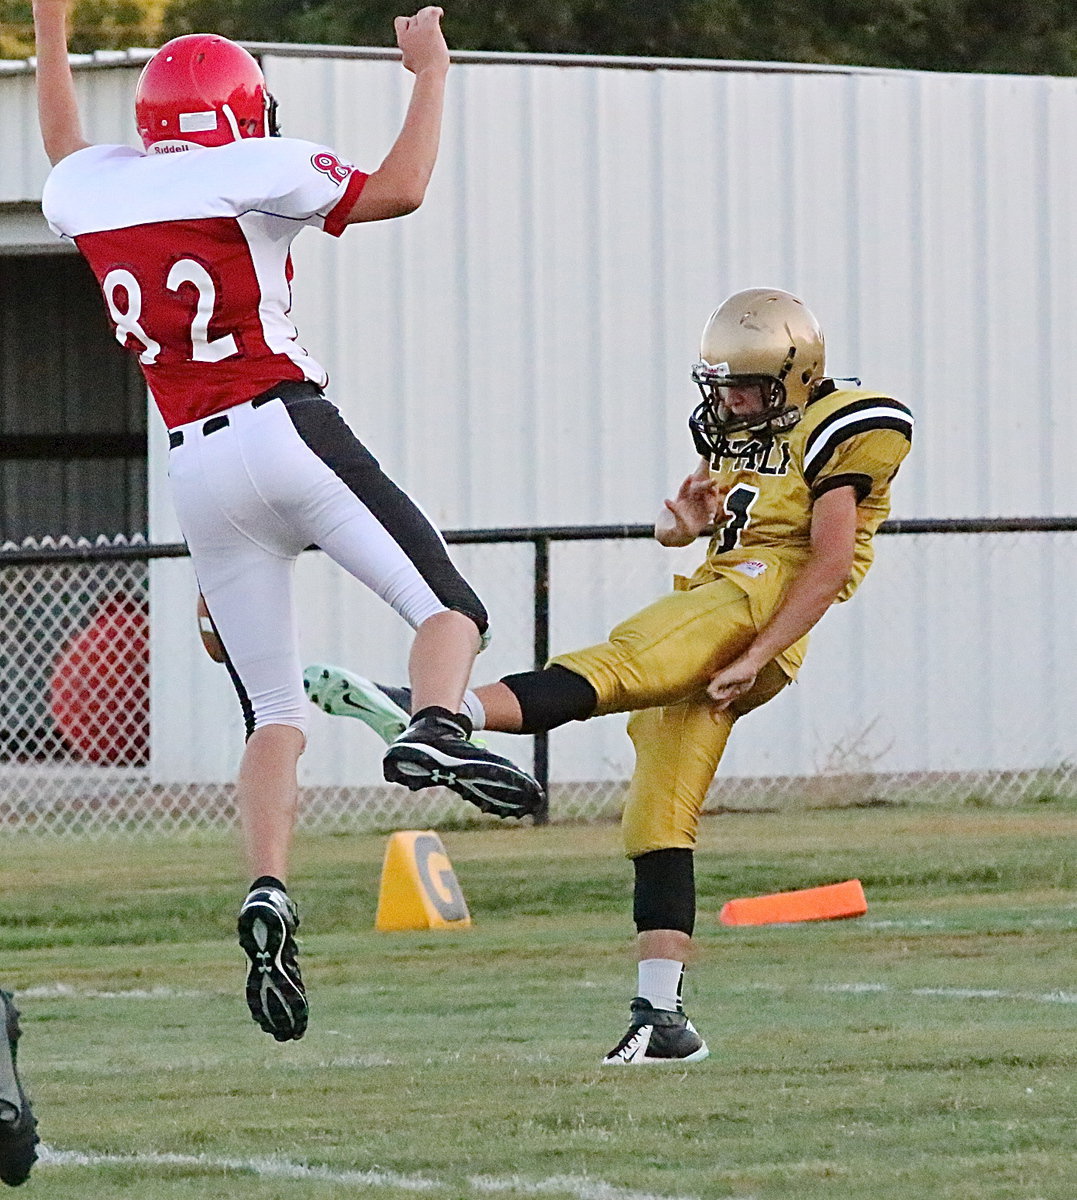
x=846 y=437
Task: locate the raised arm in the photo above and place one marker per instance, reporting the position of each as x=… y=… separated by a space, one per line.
x=57 y=107
x=833 y=544
x=398 y=186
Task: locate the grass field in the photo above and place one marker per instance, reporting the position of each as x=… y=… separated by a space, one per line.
x=925 y=1050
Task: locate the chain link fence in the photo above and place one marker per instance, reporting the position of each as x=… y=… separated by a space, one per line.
x=948 y=679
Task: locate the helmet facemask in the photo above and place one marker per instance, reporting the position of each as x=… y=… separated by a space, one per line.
x=267 y=125
x=764 y=339
x=272 y=115
x=714 y=421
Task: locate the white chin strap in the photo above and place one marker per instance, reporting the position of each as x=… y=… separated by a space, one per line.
x=233 y=124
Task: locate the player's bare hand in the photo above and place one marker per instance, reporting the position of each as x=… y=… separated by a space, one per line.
x=421 y=41
x=697 y=501
x=730 y=682
x=697 y=504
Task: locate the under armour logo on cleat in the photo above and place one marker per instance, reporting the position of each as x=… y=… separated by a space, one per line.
x=497 y=803
x=448 y=779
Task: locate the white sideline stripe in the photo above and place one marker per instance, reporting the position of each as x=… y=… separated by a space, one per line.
x=264 y=1168
x=957 y=993
x=1058 y=997
x=582 y=1187
x=64 y=991
x=927 y=923
x=920 y=923
x=950 y=993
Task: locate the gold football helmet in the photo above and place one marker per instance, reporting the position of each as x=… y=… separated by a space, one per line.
x=762 y=338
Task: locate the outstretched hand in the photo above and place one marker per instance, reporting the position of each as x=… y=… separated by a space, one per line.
x=696 y=505
x=421 y=41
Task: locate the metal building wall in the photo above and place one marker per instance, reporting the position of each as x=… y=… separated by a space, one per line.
x=72 y=407
x=518 y=351
x=583 y=222
x=60 y=374
x=105 y=98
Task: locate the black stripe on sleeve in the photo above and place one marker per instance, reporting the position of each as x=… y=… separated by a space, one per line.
x=900 y=424
x=846 y=410
x=861 y=485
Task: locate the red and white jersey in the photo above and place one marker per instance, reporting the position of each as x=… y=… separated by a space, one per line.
x=192 y=251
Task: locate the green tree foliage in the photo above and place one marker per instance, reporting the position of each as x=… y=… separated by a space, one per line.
x=1033 y=36
x=94 y=25
x=16 y=29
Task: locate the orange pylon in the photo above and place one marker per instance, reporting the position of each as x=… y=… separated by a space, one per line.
x=809 y=904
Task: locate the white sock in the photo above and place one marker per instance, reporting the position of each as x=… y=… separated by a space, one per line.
x=474 y=709
x=660 y=983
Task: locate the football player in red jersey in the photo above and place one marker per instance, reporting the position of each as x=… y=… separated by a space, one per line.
x=189 y=240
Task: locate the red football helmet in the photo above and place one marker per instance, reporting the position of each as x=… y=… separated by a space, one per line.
x=203 y=90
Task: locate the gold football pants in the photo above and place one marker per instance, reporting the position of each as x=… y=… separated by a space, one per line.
x=656 y=665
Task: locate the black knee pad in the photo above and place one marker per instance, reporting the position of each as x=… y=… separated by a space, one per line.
x=665 y=892
x=551 y=697
x=477 y=612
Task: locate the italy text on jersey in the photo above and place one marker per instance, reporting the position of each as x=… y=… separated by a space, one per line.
x=849 y=438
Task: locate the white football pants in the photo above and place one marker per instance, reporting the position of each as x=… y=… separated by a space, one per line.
x=253 y=487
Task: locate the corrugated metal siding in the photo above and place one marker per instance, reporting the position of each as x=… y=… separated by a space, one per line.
x=541 y=311
x=535 y=322
x=25 y=165
x=106 y=101
x=64 y=379
x=518 y=351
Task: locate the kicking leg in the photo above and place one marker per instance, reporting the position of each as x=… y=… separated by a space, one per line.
x=661 y=655
x=530 y=702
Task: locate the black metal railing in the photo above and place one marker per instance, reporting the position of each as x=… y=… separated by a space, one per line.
x=541 y=538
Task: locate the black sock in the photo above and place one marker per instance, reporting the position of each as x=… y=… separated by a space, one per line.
x=268 y=881
x=434 y=710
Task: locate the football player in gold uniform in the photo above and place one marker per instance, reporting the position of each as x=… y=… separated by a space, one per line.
x=795 y=474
